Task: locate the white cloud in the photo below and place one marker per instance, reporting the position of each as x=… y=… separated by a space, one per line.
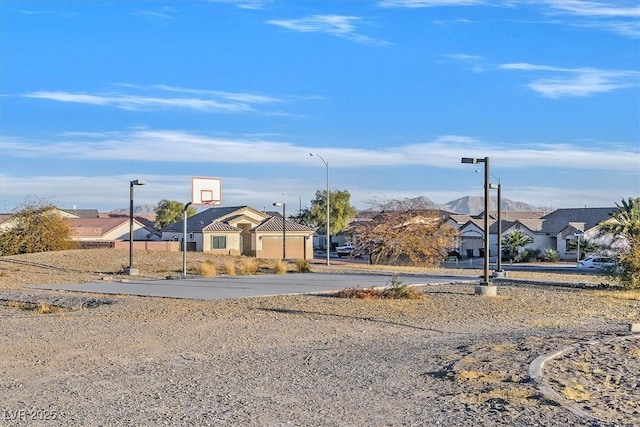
x=568 y=82
x=444 y=152
x=335 y=25
x=611 y=8
x=245 y=4
x=616 y=16
x=204 y=100
x=428 y=3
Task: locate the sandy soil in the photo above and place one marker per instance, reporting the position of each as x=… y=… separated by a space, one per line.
x=452 y=358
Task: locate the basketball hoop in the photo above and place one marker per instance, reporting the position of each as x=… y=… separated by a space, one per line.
x=206 y=191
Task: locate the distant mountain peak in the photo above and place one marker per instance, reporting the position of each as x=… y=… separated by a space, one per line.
x=473 y=205
x=140 y=209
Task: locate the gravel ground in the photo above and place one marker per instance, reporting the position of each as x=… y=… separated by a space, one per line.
x=452 y=358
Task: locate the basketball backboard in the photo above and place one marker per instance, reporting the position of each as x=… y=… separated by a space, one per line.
x=206 y=191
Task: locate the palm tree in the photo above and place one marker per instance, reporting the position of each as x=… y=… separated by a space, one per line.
x=585 y=247
x=624 y=225
x=624 y=222
x=514 y=241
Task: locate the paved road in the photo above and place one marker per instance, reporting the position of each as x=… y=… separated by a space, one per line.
x=250 y=286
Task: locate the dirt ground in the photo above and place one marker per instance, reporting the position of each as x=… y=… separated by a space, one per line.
x=451 y=358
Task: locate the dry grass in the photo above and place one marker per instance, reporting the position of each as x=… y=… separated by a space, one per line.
x=493 y=377
x=512 y=393
x=575 y=392
x=230 y=267
x=248 y=266
x=208 y=269
x=38 y=308
x=624 y=295
x=280 y=267
x=562 y=277
x=303 y=265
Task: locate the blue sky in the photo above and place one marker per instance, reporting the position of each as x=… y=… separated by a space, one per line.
x=391 y=93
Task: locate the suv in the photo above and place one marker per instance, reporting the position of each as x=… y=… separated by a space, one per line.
x=596 y=263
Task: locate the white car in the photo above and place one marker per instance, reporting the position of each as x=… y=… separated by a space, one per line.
x=596 y=263
x=346 y=250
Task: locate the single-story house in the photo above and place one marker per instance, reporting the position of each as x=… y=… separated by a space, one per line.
x=242 y=230
x=108 y=229
x=555 y=230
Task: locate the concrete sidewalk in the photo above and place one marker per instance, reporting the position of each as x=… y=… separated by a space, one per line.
x=250 y=286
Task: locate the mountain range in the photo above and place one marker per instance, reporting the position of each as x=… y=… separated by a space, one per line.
x=468 y=205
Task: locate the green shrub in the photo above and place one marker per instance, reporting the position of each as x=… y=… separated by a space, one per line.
x=549 y=255
x=529 y=255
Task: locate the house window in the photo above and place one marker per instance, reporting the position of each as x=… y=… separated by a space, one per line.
x=219 y=242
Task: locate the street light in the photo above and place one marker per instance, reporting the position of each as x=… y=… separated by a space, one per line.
x=284 y=229
x=184 y=239
x=132 y=271
x=498 y=272
x=484 y=288
x=328 y=225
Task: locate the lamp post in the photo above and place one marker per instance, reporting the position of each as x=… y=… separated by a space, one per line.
x=184 y=240
x=132 y=271
x=326 y=164
x=498 y=272
x=484 y=288
x=284 y=228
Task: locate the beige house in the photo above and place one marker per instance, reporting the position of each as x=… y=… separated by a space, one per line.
x=242 y=230
x=107 y=229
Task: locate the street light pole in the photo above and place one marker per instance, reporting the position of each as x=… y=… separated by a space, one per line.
x=498 y=272
x=284 y=229
x=132 y=271
x=184 y=240
x=484 y=288
x=328 y=227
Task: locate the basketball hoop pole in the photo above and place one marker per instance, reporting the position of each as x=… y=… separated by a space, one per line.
x=184 y=241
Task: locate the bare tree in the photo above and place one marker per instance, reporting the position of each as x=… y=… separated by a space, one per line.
x=403 y=234
x=36 y=226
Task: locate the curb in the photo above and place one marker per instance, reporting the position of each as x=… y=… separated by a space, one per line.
x=536 y=375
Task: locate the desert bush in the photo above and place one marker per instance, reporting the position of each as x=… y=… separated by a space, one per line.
x=629 y=272
x=230 y=267
x=396 y=290
x=303 y=265
x=280 y=267
x=359 y=293
x=208 y=269
x=36 y=226
x=248 y=266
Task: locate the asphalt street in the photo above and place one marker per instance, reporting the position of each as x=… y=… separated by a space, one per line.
x=250 y=286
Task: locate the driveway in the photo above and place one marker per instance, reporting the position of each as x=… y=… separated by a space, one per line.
x=250 y=286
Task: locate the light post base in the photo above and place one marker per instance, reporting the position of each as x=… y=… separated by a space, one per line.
x=130 y=271
x=485 y=289
x=499 y=274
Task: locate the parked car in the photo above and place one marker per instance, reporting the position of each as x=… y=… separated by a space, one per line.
x=596 y=263
x=346 y=250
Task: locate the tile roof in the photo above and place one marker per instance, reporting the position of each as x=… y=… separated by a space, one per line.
x=203 y=219
x=560 y=218
x=275 y=224
x=221 y=226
